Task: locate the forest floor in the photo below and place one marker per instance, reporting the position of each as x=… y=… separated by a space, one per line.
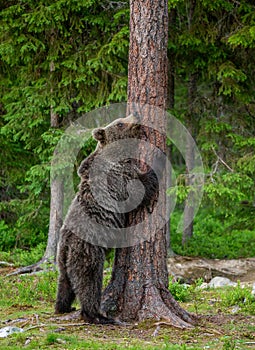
x=192 y=268
x=226 y=320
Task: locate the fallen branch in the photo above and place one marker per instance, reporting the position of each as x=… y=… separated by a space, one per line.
x=57 y=325
x=5 y=263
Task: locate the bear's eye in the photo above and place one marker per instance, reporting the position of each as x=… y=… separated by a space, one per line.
x=120 y=125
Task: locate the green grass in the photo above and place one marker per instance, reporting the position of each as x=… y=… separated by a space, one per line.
x=28 y=290
x=27 y=302
x=21 y=257
x=55 y=341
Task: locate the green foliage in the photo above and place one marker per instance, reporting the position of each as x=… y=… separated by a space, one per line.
x=6 y=240
x=213 y=42
x=229 y=344
x=239 y=296
x=180 y=292
x=68 y=57
x=61 y=57
x=21 y=257
x=214 y=237
x=230 y=77
x=29 y=228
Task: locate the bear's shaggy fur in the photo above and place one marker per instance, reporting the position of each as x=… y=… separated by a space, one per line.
x=80 y=261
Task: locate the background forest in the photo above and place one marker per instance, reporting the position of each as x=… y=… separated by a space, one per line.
x=62 y=58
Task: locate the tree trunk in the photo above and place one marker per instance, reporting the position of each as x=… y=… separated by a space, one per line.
x=56 y=199
x=56 y=212
x=190 y=154
x=190 y=161
x=139 y=285
x=189 y=208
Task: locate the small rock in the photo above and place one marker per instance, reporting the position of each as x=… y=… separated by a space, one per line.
x=235 y=309
x=28 y=341
x=6 y=331
x=204 y=285
x=253 y=290
x=218 y=282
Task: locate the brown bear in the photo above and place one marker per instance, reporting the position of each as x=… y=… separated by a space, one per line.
x=94 y=217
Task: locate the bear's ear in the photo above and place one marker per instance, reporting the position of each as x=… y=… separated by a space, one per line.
x=99 y=134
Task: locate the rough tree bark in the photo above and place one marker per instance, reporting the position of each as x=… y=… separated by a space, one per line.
x=139 y=285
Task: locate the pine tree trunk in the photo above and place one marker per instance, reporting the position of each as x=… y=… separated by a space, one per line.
x=56 y=195
x=56 y=212
x=139 y=285
x=190 y=154
x=190 y=160
x=189 y=207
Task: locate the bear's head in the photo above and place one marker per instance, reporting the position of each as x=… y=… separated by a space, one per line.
x=121 y=128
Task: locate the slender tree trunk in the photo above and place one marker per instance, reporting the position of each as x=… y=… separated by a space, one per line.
x=57 y=200
x=56 y=212
x=190 y=154
x=139 y=285
x=189 y=209
x=190 y=161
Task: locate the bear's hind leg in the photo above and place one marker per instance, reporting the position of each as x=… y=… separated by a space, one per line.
x=65 y=295
x=89 y=294
x=87 y=278
x=90 y=299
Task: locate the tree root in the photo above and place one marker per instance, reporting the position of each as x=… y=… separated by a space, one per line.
x=42 y=265
x=160 y=305
x=156 y=303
